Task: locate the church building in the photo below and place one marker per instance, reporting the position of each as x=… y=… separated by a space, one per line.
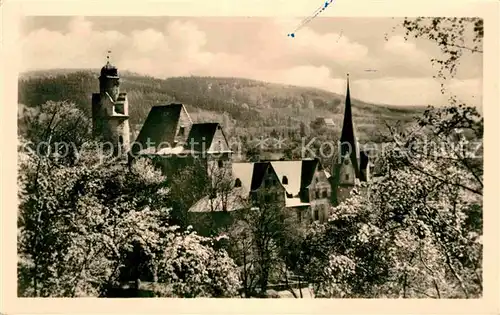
x=173 y=140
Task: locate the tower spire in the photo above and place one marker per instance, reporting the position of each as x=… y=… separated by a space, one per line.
x=348 y=139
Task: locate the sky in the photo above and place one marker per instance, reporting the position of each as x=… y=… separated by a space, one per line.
x=320 y=55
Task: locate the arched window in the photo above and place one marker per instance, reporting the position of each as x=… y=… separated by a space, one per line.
x=237 y=182
x=285 y=180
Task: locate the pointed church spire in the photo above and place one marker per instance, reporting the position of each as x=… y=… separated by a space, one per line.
x=349 y=145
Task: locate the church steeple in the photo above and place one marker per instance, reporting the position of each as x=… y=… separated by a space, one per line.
x=349 y=146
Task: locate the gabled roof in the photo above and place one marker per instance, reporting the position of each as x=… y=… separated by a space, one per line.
x=201 y=136
x=329 y=121
x=160 y=126
x=259 y=170
x=293 y=172
x=244 y=172
x=308 y=168
x=299 y=174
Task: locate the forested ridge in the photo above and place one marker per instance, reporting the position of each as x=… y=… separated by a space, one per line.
x=89 y=226
x=232 y=101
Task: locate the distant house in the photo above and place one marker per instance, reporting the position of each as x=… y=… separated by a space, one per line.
x=322 y=122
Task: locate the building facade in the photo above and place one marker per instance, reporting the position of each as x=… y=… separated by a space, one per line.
x=110 y=119
x=170 y=137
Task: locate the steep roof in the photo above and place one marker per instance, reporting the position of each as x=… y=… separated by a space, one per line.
x=348 y=136
x=243 y=171
x=299 y=174
x=307 y=170
x=160 y=126
x=259 y=170
x=201 y=136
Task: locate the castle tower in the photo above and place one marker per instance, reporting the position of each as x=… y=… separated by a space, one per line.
x=350 y=167
x=110 y=110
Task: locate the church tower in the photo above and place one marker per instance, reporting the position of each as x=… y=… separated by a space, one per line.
x=110 y=110
x=352 y=166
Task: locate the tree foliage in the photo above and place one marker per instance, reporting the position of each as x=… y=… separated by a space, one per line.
x=85 y=227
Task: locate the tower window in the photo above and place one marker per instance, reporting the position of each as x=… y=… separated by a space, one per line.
x=316 y=215
x=285 y=180
x=120 y=139
x=346 y=176
x=220 y=163
x=237 y=182
x=181 y=131
x=317 y=194
x=325 y=194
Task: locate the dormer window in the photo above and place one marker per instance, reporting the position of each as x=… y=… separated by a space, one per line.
x=285 y=180
x=237 y=182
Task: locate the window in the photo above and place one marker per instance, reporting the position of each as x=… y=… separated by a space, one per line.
x=120 y=139
x=285 y=180
x=316 y=215
x=317 y=194
x=346 y=176
x=325 y=194
x=346 y=161
x=181 y=131
x=237 y=182
x=220 y=163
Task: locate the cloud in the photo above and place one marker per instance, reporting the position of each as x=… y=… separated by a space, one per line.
x=314 y=59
